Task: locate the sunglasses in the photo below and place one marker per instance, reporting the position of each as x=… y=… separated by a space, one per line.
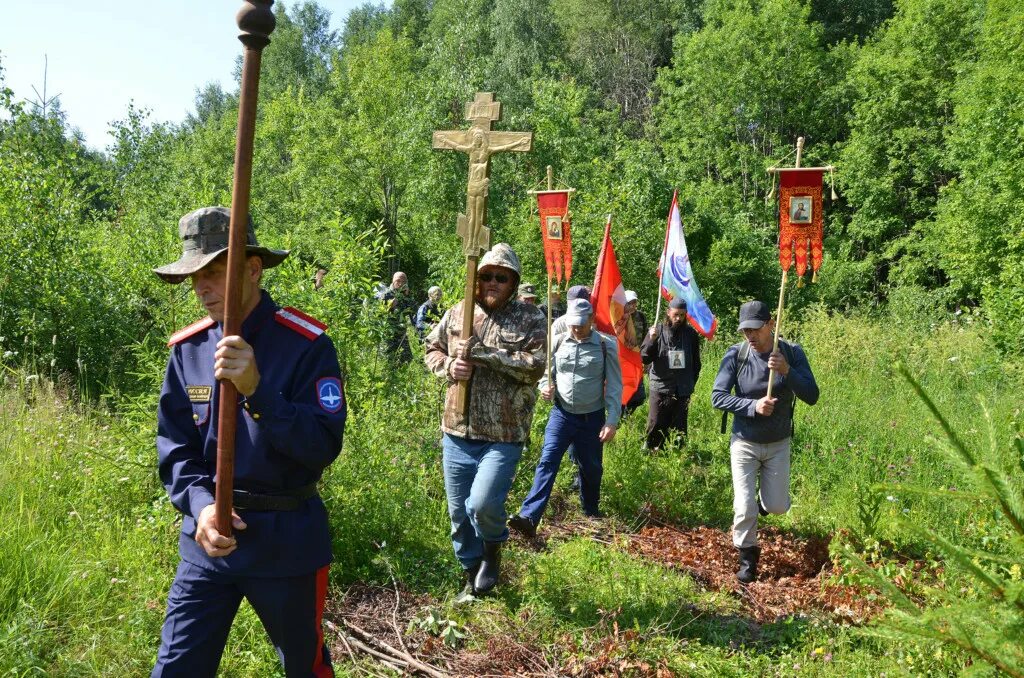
x=501 y=278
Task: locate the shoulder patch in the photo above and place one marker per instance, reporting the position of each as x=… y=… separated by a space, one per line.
x=294 y=319
x=193 y=329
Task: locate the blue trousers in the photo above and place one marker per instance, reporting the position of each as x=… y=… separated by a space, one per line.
x=202 y=604
x=564 y=429
x=477 y=477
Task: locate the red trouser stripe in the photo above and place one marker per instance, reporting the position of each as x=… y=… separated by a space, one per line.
x=320 y=669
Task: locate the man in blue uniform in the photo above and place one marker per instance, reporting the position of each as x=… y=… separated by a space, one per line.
x=291 y=418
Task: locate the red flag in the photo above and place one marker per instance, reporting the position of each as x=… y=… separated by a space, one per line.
x=609 y=300
x=553 y=207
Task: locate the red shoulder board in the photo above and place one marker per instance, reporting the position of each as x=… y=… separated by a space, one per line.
x=186 y=332
x=307 y=326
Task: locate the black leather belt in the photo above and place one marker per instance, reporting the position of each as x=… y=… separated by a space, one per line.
x=283 y=500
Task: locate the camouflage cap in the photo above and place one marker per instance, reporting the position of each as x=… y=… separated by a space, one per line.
x=204 y=235
x=500 y=255
x=527 y=291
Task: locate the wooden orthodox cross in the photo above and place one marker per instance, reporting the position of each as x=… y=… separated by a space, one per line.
x=480 y=142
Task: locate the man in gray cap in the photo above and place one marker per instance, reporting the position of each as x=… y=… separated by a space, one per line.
x=585 y=384
x=671 y=352
x=762 y=426
x=560 y=325
x=291 y=418
x=502 y=361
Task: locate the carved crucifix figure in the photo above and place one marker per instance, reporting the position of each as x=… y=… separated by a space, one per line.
x=480 y=142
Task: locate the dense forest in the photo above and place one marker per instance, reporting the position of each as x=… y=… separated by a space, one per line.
x=919 y=105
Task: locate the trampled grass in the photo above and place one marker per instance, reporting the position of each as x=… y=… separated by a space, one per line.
x=88 y=540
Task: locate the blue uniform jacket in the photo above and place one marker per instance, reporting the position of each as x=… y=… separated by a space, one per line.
x=289 y=430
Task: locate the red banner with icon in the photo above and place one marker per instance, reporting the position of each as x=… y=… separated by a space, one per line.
x=800 y=218
x=556 y=231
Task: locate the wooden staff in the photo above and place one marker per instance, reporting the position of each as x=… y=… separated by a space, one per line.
x=782 y=289
x=551 y=187
x=256 y=23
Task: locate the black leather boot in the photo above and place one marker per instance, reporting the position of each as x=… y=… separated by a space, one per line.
x=487 y=577
x=466 y=595
x=523 y=526
x=748 y=564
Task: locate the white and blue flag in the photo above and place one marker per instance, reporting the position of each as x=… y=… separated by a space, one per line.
x=677 y=279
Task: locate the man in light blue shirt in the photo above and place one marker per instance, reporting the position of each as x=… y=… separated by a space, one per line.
x=585 y=384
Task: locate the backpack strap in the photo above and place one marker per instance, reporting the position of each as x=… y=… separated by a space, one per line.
x=742 y=353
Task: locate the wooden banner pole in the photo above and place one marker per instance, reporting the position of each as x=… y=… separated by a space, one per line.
x=782 y=289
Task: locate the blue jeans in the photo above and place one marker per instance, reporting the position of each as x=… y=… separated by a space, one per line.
x=477 y=477
x=564 y=429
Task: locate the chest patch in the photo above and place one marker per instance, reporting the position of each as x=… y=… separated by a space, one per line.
x=329 y=394
x=199 y=394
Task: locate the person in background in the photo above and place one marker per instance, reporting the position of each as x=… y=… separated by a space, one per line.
x=555 y=302
x=527 y=295
x=429 y=313
x=762 y=427
x=671 y=352
x=401 y=309
x=634 y=338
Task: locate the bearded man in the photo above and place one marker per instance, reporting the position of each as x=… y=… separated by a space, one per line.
x=502 y=360
x=671 y=352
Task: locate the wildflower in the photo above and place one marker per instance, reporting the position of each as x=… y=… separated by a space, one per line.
x=890 y=498
x=954 y=358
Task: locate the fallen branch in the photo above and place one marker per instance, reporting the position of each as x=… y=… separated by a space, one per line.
x=395 y=655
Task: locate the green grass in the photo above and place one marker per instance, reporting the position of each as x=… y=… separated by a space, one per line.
x=88 y=540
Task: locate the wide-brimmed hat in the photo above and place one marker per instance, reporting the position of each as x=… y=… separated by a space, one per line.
x=204 y=236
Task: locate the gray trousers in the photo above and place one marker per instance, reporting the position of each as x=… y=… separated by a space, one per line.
x=750 y=461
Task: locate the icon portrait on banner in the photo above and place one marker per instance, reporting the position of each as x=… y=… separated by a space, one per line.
x=800 y=209
x=554 y=227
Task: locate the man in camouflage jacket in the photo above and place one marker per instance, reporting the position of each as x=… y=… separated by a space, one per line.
x=502 y=361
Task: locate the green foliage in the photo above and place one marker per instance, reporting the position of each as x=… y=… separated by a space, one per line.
x=893 y=166
x=980 y=232
x=917 y=102
x=986 y=622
